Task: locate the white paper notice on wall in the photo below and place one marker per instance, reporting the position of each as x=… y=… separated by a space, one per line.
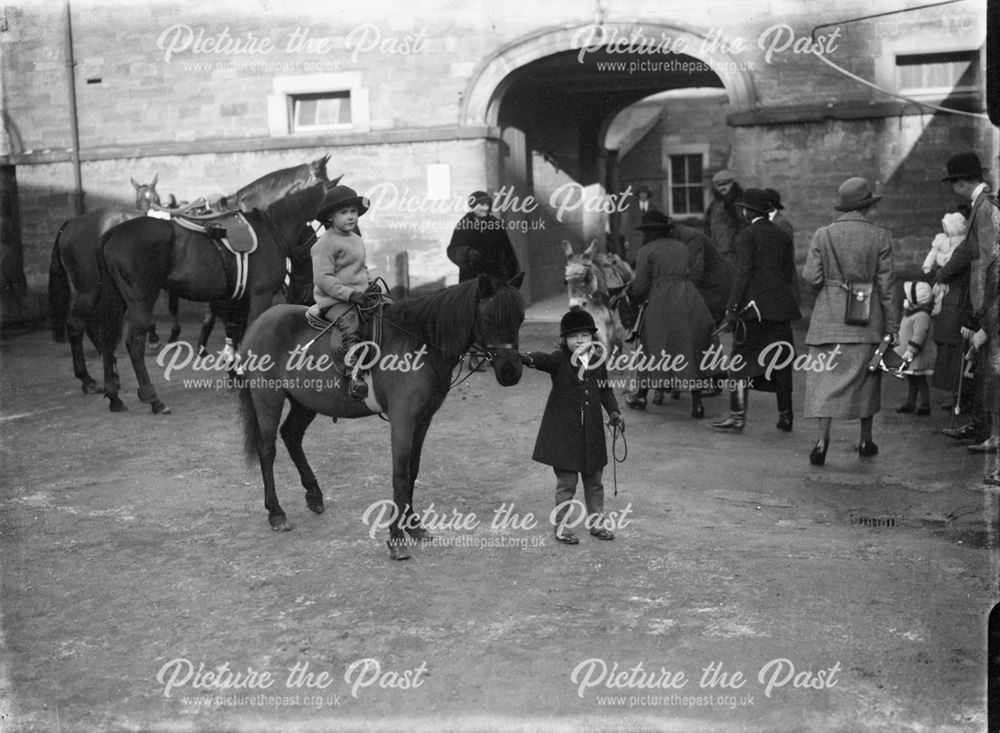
x=438 y=181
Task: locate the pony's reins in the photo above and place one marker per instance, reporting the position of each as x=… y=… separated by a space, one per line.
x=617 y=431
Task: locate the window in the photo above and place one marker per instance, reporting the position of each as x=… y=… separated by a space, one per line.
x=687 y=193
x=938 y=74
x=320 y=111
x=318 y=104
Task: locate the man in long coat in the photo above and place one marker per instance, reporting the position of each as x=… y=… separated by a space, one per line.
x=723 y=220
x=765 y=277
x=978 y=256
x=638 y=205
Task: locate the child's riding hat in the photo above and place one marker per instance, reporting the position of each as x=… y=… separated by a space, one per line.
x=576 y=320
x=340 y=196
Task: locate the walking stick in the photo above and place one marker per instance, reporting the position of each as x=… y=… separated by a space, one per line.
x=956 y=409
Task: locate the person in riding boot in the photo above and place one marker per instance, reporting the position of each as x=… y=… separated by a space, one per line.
x=571 y=436
x=340 y=276
x=765 y=286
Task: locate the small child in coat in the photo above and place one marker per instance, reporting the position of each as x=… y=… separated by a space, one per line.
x=916 y=346
x=571 y=436
x=955 y=226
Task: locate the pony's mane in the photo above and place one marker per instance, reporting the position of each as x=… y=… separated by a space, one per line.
x=277 y=179
x=448 y=319
x=298 y=201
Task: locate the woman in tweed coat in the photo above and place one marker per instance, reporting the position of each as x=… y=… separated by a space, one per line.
x=847 y=390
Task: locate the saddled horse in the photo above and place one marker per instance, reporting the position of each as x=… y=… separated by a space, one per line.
x=142 y=256
x=73 y=280
x=593 y=279
x=260 y=194
x=73 y=277
x=422 y=341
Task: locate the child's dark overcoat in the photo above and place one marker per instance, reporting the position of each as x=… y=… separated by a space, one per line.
x=571 y=436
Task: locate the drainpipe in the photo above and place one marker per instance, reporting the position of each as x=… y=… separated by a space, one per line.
x=73 y=123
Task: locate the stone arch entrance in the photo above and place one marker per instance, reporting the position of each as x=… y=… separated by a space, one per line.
x=551 y=95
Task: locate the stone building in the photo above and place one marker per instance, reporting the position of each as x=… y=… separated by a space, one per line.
x=552 y=105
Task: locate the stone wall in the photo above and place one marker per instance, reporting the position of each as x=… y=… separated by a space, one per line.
x=199 y=115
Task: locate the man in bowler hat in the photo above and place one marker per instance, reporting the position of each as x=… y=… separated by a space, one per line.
x=979 y=256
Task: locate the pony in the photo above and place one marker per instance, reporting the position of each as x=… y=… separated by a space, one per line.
x=140 y=257
x=422 y=341
x=73 y=277
x=592 y=282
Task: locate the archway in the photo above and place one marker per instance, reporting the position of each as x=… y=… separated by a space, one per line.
x=552 y=95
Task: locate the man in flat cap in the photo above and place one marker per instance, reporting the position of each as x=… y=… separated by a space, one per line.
x=723 y=220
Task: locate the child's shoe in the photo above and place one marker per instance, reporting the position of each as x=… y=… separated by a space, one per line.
x=358 y=390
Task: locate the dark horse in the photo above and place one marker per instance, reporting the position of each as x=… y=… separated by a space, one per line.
x=73 y=279
x=422 y=341
x=73 y=276
x=142 y=256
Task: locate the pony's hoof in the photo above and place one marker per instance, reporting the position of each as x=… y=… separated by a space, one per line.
x=279 y=524
x=315 y=505
x=398 y=549
x=90 y=387
x=116 y=405
x=159 y=408
x=420 y=534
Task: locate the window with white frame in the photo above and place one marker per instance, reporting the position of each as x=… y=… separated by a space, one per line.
x=938 y=74
x=318 y=103
x=685 y=180
x=318 y=111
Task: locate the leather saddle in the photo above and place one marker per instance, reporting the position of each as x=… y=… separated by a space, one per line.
x=229 y=227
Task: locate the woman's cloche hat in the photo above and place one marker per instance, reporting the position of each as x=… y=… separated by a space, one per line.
x=855 y=193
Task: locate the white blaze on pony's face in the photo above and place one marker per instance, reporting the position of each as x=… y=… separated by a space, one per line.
x=145 y=193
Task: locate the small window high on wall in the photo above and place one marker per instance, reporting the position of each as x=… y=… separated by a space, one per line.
x=321 y=111
x=938 y=74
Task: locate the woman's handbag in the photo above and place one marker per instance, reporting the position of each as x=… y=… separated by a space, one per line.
x=859 y=298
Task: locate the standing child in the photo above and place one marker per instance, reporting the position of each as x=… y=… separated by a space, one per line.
x=340 y=277
x=916 y=346
x=571 y=436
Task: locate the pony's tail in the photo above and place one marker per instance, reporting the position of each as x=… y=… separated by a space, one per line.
x=110 y=304
x=251 y=430
x=59 y=292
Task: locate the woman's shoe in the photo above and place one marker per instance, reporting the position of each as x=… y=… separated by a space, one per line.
x=818 y=455
x=636 y=402
x=867 y=449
